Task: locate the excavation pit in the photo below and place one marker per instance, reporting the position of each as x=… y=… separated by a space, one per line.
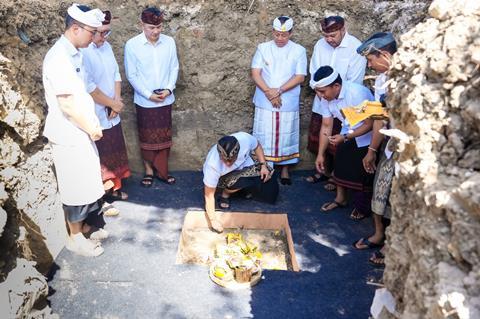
x=269 y=232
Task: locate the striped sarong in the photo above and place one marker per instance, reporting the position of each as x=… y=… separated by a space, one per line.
x=279 y=135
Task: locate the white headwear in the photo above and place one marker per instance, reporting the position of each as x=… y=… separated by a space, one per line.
x=92 y=18
x=325 y=81
x=287 y=26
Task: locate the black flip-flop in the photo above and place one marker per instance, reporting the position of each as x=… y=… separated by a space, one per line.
x=377 y=255
x=366 y=242
x=358 y=216
x=313 y=179
x=225 y=201
x=285 y=181
x=147 y=181
x=337 y=205
x=170 y=180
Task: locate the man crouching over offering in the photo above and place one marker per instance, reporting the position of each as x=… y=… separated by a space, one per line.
x=230 y=166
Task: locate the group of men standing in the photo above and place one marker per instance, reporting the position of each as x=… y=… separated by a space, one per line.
x=83 y=92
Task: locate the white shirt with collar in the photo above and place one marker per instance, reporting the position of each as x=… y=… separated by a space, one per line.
x=214 y=168
x=149 y=67
x=344 y=59
x=102 y=72
x=279 y=65
x=380 y=86
x=351 y=94
x=63 y=74
x=75 y=155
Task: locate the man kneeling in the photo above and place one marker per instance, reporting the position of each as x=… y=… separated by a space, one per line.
x=229 y=165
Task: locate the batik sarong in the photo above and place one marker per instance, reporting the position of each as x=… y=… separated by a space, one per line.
x=155 y=135
x=113 y=156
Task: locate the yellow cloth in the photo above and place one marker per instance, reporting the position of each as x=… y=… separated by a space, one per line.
x=365 y=110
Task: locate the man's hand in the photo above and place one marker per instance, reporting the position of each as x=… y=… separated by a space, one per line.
x=276 y=102
x=264 y=173
x=117 y=105
x=320 y=163
x=156 y=98
x=336 y=139
x=369 y=162
x=164 y=94
x=112 y=115
x=96 y=133
x=271 y=93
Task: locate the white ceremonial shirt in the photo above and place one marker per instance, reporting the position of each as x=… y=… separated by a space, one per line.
x=351 y=94
x=214 y=168
x=63 y=74
x=75 y=155
x=344 y=59
x=279 y=65
x=380 y=86
x=102 y=72
x=149 y=67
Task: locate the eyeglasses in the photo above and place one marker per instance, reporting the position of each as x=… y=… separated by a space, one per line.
x=93 y=32
x=105 y=34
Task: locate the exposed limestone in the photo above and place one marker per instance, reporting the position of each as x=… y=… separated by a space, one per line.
x=434 y=244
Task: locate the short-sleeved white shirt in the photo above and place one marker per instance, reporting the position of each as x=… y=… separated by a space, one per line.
x=64 y=74
x=279 y=65
x=214 y=168
x=102 y=72
x=344 y=59
x=351 y=94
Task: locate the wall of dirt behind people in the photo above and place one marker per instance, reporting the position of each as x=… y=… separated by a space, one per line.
x=215 y=43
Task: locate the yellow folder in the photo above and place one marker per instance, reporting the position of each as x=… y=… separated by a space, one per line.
x=365 y=110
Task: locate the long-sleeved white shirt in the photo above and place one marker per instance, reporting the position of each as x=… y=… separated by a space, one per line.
x=149 y=67
x=344 y=59
x=102 y=73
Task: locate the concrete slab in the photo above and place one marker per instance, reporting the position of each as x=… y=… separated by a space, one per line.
x=137 y=277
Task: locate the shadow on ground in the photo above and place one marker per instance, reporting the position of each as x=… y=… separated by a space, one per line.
x=137 y=277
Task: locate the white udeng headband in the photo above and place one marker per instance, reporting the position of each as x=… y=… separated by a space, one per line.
x=92 y=18
x=287 y=26
x=325 y=81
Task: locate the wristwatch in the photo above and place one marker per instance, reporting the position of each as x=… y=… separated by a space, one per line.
x=345 y=138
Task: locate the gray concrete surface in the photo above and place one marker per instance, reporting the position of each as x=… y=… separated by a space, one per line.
x=137 y=277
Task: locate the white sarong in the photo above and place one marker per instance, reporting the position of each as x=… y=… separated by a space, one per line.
x=279 y=135
x=78 y=173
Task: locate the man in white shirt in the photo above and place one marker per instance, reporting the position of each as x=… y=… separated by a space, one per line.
x=151 y=66
x=229 y=165
x=104 y=84
x=352 y=141
x=379 y=49
x=337 y=49
x=72 y=127
x=278 y=68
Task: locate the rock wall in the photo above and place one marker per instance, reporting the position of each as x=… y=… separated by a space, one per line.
x=433 y=260
x=215 y=40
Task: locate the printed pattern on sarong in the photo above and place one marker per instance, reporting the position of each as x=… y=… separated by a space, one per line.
x=279 y=135
x=113 y=155
x=348 y=168
x=314 y=131
x=383 y=185
x=227 y=180
x=154 y=127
